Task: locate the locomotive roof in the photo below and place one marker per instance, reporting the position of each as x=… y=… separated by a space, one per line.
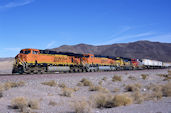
x=113 y=57
x=61 y=53
x=74 y=54
x=30 y=49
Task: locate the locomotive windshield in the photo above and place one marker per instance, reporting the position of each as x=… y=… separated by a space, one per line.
x=35 y=52
x=87 y=56
x=25 y=52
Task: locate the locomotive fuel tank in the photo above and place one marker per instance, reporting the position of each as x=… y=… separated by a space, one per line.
x=58 y=68
x=105 y=68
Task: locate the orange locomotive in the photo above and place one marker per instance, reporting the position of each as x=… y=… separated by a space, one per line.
x=41 y=61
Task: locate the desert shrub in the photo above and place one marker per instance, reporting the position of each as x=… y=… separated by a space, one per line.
x=102 y=100
x=144 y=76
x=79 y=84
x=156 y=93
x=150 y=86
x=138 y=85
x=122 y=100
x=147 y=96
x=1 y=90
x=62 y=85
x=169 y=72
x=23 y=104
x=137 y=97
x=1 y=94
x=162 y=75
x=98 y=88
x=76 y=89
x=116 y=78
x=20 y=103
x=116 y=90
x=132 y=78
x=100 y=82
x=52 y=103
x=165 y=76
x=166 y=89
x=33 y=104
x=9 y=85
x=51 y=83
x=86 y=82
x=94 y=88
x=82 y=106
x=1 y=87
x=153 y=96
x=67 y=92
x=104 y=90
x=20 y=83
x=104 y=78
x=133 y=87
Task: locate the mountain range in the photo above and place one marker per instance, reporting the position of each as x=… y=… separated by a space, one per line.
x=140 y=49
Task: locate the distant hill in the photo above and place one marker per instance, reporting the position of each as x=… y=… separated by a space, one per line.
x=7 y=59
x=139 y=49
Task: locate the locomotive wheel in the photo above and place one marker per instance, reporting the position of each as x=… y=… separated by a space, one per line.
x=71 y=70
x=35 y=70
x=28 y=71
x=20 y=70
x=80 y=70
x=91 y=70
x=43 y=70
x=74 y=70
x=83 y=70
x=40 y=70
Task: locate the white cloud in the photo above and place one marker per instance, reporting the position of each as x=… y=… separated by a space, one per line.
x=51 y=44
x=13 y=4
x=160 y=38
x=127 y=38
x=123 y=30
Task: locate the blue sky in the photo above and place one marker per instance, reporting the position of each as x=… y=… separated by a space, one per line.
x=51 y=23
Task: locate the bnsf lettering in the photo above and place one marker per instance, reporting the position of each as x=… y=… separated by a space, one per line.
x=103 y=61
x=57 y=59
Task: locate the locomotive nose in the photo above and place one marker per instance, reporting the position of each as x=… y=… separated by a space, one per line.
x=20 y=58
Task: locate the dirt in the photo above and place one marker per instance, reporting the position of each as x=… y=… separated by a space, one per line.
x=33 y=89
x=6 y=66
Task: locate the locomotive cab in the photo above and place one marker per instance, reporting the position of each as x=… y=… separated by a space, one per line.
x=25 y=56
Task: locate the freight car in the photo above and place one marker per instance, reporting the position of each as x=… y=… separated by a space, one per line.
x=152 y=64
x=166 y=65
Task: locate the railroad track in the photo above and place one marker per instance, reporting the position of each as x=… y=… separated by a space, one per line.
x=80 y=72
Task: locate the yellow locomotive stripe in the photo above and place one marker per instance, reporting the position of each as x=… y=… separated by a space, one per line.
x=54 y=55
x=50 y=63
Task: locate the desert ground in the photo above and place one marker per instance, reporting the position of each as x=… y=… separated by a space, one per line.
x=6 y=65
x=140 y=91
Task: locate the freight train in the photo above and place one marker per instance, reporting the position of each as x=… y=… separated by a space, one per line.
x=44 y=61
